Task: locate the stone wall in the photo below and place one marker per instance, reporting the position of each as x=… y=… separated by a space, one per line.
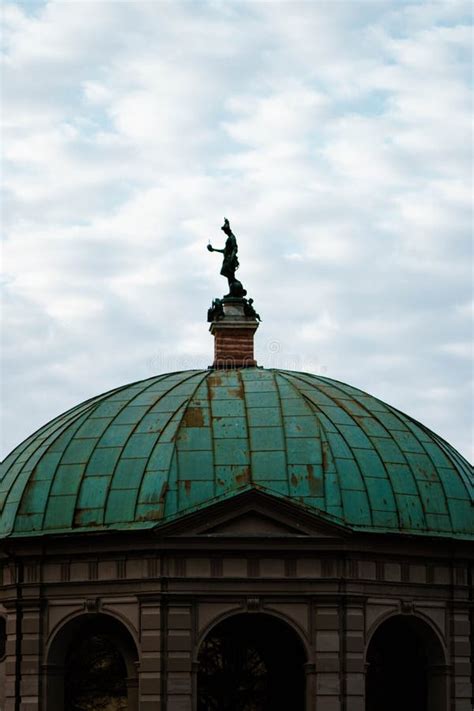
x=166 y=601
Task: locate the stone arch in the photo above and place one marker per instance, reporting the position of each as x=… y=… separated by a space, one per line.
x=240 y=647
x=239 y=611
x=418 y=615
x=79 y=626
x=94 y=611
x=406 y=657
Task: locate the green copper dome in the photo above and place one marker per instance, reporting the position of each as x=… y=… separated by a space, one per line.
x=153 y=450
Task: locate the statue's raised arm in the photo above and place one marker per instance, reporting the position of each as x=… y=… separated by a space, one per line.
x=230 y=263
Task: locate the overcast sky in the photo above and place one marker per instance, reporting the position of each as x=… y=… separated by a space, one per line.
x=334 y=135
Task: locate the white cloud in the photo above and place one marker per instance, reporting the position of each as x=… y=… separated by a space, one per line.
x=333 y=135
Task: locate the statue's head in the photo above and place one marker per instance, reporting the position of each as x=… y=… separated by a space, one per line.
x=226 y=226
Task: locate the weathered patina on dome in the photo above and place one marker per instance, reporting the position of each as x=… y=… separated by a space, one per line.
x=153 y=450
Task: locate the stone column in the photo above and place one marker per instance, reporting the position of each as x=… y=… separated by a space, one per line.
x=194 y=691
x=179 y=658
x=354 y=682
x=11 y=656
x=132 y=690
x=53 y=686
x=310 y=679
x=460 y=658
x=328 y=648
x=438 y=675
x=2 y=682
x=30 y=666
x=150 y=671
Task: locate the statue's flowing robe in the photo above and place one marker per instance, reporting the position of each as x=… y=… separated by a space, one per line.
x=230 y=263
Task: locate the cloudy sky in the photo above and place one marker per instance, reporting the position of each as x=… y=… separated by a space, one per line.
x=333 y=134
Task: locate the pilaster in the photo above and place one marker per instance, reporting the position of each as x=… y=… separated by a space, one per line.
x=460 y=628
x=150 y=671
x=30 y=661
x=13 y=638
x=179 y=658
x=328 y=658
x=354 y=667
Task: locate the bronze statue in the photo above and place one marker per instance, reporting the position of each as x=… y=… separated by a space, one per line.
x=216 y=311
x=230 y=263
x=249 y=310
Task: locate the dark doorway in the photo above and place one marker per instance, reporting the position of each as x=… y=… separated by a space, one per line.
x=92 y=667
x=95 y=677
x=251 y=662
x=401 y=656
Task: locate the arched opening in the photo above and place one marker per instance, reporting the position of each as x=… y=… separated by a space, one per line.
x=406 y=668
x=251 y=662
x=92 y=667
x=95 y=675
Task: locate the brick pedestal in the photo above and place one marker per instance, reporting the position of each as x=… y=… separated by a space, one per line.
x=233 y=336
